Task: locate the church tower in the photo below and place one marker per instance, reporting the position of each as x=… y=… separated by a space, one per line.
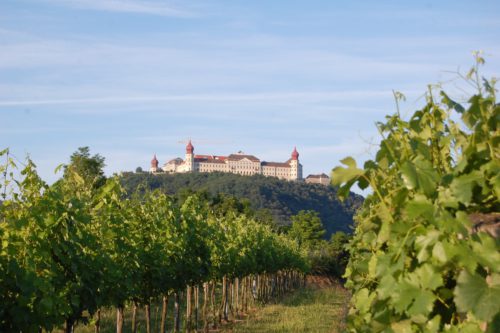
x=295 y=167
x=154 y=165
x=189 y=162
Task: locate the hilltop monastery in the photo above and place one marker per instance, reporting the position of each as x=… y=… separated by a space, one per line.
x=238 y=163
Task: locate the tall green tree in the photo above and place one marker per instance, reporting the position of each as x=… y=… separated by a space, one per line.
x=90 y=168
x=307 y=228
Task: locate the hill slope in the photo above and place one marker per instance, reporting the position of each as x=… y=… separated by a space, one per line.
x=282 y=198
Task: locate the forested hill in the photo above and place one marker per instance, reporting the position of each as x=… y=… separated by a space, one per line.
x=281 y=198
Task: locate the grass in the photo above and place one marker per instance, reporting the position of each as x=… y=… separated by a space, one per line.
x=313 y=309
x=320 y=307
x=108 y=319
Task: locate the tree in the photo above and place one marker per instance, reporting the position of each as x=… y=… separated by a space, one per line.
x=265 y=216
x=281 y=198
x=90 y=168
x=307 y=228
x=138 y=170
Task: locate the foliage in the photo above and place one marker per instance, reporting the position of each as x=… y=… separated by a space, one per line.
x=326 y=258
x=43 y=230
x=90 y=168
x=417 y=262
x=306 y=228
x=330 y=258
x=69 y=249
x=268 y=196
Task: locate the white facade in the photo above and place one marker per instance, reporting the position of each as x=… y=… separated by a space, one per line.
x=318 y=179
x=238 y=163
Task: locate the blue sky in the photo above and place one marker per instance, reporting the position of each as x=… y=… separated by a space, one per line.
x=130 y=78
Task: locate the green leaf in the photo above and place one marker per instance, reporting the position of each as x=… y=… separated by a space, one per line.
x=409 y=174
x=486 y=251
x=447 y=199
x=461 y=187
x=372 y=266
x=342 y=175
x=423 y=304
x=363 y=300
x=423 y=242
x=466 y=257
x=78 y=178
x=439 y=253
x=478 y=295
x=349 y=161
x=427 y=176
x=450 y=103
x=385 y=229
x=432 y=325
x=420 y=206
x=386 y=287
x=402 y=326
x=428 y=278
x=419 y=175
x=405 y=292
x=58 y=168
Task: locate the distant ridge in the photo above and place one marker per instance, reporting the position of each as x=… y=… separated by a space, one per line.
x=282 y=198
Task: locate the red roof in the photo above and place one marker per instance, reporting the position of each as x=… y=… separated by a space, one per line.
x=295 y=154
x=208 y=160
x=154 y=162
x=238 y=157
x=189 y=148
x=276 y=164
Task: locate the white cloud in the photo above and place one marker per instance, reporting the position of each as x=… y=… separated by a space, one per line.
x=125 y=6
x=289 y=96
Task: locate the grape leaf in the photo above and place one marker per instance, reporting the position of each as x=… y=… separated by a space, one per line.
x=478 y=295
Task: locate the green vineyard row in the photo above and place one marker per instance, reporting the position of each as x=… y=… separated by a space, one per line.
x=72 y=248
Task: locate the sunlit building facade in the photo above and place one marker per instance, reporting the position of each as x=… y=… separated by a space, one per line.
x=238 y=163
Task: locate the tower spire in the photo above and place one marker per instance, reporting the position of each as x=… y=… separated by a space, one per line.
x=154 y=164
x=295 y=154
x=189 y=147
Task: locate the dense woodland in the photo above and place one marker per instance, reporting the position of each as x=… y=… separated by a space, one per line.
x=280 y=198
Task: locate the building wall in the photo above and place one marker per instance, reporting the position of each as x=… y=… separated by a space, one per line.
x=318 y=180
x=244 y=166
x=210 y=167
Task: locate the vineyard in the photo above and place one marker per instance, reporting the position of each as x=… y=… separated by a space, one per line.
x=76 y=247
x=424 y=256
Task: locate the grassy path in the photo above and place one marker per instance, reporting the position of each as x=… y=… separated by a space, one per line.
x=320 y=307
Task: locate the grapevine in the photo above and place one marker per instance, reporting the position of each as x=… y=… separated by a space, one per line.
x=70 y=249
x=423 y=258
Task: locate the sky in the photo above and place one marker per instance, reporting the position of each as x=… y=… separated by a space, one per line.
x=131 y=78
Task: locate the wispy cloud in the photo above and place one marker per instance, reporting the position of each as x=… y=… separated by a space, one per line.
x=218 y=97
x=126 y=6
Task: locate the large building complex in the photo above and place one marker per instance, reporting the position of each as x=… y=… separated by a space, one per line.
x=238 y=163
